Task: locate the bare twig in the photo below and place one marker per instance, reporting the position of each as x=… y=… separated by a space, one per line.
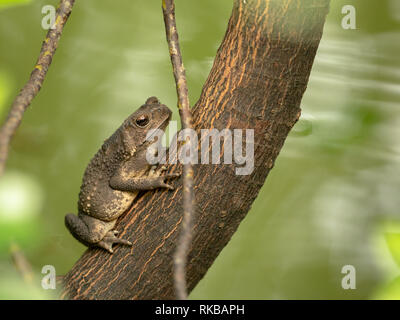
x=32 y=87
x=180 y=257
x=21 y=263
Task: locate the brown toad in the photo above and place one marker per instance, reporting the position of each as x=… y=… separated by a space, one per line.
x=116 y=174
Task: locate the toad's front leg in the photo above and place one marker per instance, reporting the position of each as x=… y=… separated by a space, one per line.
x=150 y=182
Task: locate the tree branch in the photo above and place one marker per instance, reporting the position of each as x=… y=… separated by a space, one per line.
x=180 y=257
x=32 y=87
x=257 y=82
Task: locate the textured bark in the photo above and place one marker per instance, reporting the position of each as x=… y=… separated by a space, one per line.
x=257 y=82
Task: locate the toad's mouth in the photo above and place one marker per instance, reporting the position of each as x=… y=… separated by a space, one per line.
x=155 y=133
x=164 y=124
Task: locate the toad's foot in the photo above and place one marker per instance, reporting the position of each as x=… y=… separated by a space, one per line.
x=110 y=239
x=159 y=179
x=157 y=171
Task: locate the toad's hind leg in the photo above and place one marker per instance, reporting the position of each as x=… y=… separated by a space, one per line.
x=85 y=229
x=93 y=232
x=110 y=238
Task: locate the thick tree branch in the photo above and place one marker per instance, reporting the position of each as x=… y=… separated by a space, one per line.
x=32 y=87
x=180 y=257
x=257 y=82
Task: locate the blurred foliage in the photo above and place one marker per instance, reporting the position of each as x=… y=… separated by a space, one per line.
x=393 y=240
x=21 y=200
x=8 y=3
x=390 y=289
x=13 y=287
x=325 y=203
x=5 y=89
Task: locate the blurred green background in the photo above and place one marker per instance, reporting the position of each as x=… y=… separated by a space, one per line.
x=331 y=200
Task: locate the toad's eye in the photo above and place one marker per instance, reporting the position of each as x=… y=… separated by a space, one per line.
x=142 y=121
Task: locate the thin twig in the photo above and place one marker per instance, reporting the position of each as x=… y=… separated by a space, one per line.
x=32 y=87
x=180 y=257
x=21 y=263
